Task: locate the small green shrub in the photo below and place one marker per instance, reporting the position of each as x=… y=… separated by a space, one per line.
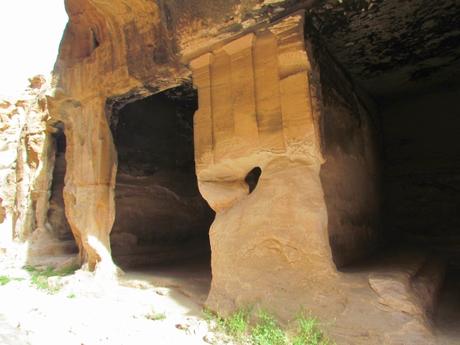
x=267 y=331
x=208 y=315
x=235 y=325
x=308 y=332
x=4 y=280
x=71 y=295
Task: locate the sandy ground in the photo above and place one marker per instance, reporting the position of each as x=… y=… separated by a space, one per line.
x=148 y=307
x=162 y=305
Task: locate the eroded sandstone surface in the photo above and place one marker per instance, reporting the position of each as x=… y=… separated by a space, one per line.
x=262 y=133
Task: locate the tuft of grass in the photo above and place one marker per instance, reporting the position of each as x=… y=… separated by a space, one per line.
x=39 y=277
x=208 y=315
x=4 y=280
x=309 y=332
x=235 y=325
x=71 y=295
x=155 y=316
x=267 y=331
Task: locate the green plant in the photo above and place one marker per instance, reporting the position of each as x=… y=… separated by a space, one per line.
x=235 y=325
x=39 y=277
x=267 y=331
x=4 y=280
x=71 y=295
x=208 y=315
x=309 y=333
x=155 y=316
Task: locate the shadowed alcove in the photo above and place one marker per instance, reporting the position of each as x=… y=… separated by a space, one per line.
x=160 y=214
x=390 y=129
x=56 y=211
x=55 y=242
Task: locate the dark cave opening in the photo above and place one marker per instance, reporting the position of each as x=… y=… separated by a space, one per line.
x=252 y=178
x=161 y=216
x=57 y=220
x=390 y=123
x=391 y=183
x=421 y=175
x=421 y=188
x=56 y=214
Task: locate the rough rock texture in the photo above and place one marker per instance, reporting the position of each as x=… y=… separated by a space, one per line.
x=281 y=228
x=274 y=238
x=261 y=114
x=111 y=54
x=27 y=164
x=394 y=48
x=350 y=176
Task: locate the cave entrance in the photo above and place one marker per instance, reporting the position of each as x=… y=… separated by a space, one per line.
x=161 y=218
x=421 y=174
x=421 y=188
x=392 y=189
x=390 y=127
x=57 y=243
x=56 y=211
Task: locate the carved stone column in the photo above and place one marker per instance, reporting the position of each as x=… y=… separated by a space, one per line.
x=256 y=110
x=90 y=179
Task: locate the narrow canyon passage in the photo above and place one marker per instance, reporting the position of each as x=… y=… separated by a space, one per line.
x=161 y=219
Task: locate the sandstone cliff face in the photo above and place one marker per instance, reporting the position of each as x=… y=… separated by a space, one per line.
x=113 y=53
x=268 y=100
x=351 y=175
x=261 y=114
x=96 y=62
x=28 y=160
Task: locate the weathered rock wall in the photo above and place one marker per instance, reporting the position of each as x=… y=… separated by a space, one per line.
x=422 y=171
x=351 y=174
x=27 y=163
x=271 y=78
x=112 y=53
x=257 y=108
